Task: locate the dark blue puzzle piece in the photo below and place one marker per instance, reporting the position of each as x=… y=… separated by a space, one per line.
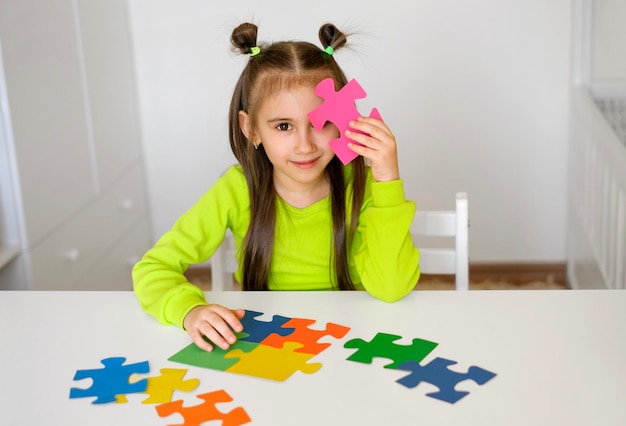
x=258 y=330
x=111 y=380
x=437 y=373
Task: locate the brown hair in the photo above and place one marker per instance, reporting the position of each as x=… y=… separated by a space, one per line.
x=278 y=65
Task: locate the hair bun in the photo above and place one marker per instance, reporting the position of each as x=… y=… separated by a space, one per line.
x=244 y=38
x=332 y=36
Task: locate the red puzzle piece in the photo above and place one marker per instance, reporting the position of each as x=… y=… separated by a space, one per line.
x=206 y=411
x=306 y=336
x=339 y=108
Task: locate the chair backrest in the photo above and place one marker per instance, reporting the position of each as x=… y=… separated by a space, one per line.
x=426 y=224
x=224 y=265
x=429 y=227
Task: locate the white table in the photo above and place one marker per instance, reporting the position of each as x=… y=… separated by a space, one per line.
x=560 y=358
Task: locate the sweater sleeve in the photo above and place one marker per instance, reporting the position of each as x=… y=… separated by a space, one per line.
x=158 y=278
x=386 y=259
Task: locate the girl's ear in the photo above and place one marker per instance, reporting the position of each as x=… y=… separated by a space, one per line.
x=245 y=125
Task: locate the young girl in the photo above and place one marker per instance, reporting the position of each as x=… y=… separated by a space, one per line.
x=300 y=219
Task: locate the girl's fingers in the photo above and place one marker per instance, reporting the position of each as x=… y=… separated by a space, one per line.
x=372 y=139
x=357 y=137
x=371 y=126
x=359 y=149
x=215 y=336
x=216 y=323
x=229 y=317
x=370 y=134
x=224 y=331
x=200 y=342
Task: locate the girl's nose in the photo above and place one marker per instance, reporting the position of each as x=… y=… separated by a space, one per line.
x=304 y=144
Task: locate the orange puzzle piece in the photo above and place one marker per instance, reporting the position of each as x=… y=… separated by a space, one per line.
x=306 y=336
x=206 y=411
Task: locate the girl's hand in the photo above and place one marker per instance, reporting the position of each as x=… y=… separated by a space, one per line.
x=378 y=145
x=216 y=323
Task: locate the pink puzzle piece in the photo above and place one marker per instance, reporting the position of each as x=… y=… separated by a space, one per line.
x=339 y=108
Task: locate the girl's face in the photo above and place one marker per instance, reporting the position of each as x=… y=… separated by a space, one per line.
x=298 y=152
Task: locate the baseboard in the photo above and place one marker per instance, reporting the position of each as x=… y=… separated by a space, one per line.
x=513 y=273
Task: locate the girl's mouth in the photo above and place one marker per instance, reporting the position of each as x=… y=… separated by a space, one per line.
x=306 y=164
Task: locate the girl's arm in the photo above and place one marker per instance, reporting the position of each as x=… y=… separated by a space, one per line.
x=158 y=278
x=386 y=259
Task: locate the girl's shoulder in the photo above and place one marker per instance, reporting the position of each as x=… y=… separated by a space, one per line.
x=233 y=178
x=230 y=187
x=233 y=172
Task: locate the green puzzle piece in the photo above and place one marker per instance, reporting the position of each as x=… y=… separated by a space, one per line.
x=383 y=346
x=193 y=355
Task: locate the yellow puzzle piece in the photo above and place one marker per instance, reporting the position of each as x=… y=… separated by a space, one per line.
x=161 y=388
x=272 y=363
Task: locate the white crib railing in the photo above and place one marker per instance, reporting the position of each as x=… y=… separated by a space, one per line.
x=597 y=199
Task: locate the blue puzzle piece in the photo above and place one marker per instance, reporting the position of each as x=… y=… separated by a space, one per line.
x=111 y=380
x=437 y=373
x=258 y=330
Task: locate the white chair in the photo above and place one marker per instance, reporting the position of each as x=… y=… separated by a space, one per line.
x=426 y=225
x=224 y=265
x=427 y=229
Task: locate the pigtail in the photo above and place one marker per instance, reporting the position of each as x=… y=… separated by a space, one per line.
x=331 y=36
x=259 y=241
x=244 y=39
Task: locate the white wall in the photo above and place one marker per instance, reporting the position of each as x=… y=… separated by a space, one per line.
x=476 y=93
x=609 y=40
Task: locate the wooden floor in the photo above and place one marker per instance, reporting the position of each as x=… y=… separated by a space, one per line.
x=482 y=277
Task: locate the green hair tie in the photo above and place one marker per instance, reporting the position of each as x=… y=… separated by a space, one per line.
x=255 y=51
x=329 y=50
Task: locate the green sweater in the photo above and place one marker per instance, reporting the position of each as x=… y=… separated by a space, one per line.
x=382 y=260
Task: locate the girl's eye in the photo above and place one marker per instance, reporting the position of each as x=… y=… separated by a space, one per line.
x=283 y=127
